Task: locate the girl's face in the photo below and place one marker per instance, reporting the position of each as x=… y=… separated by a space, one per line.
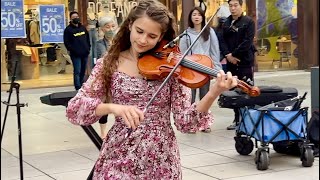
x=196 y=17
x=145 y=33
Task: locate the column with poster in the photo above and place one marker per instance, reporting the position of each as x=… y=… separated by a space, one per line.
x=52 y=23
x=12 y=19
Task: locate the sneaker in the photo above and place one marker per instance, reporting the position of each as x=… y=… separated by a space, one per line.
x=208 y=130
x=62 y=71
x=233 y=126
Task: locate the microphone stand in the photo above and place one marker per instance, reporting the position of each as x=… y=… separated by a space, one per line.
x=18 y=105
x=178 y=63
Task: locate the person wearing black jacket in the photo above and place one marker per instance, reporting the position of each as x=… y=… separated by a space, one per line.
x=219 y=31
x=237 y=46
x=77 y=42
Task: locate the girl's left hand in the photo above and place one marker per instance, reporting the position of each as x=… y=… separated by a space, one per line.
x=224 y=81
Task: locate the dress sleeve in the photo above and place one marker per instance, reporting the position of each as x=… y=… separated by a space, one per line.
x=186 y=117
x=81 y=108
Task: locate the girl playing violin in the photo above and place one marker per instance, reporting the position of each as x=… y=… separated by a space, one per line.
x=151 y=149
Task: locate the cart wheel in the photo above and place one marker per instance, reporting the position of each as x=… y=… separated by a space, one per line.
x=307 y=157
x=262 y=160
x=244 y=145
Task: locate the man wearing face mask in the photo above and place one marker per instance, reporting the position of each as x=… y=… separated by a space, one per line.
x=108 y=27
x=76 y=39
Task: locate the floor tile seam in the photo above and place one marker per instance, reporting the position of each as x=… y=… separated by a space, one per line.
x=36 y=168
x=201 y=172
x=290 y=168
x=269 y=171
x=43 y=153
x=59 y=122
x=69 y=171
x=208 y=151
x=200 y=148
x=33 y=177
x=83 y=155
x=216 y=164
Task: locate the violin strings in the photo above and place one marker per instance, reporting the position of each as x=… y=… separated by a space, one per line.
x=201 y=67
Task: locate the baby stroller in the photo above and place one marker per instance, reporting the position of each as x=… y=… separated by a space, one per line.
x=283 y=121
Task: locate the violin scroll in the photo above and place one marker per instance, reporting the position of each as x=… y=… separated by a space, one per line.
x=252 y=91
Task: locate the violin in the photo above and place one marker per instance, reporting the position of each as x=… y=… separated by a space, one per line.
x=194 y=71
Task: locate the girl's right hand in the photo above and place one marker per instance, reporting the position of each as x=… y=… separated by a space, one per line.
x=131 y=115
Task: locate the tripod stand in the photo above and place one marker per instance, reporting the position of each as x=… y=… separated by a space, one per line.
x=16 y=86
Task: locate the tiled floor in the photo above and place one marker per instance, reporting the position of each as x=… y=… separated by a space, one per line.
x=53 y=148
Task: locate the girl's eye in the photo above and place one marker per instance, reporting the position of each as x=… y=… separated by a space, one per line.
x=139 y=31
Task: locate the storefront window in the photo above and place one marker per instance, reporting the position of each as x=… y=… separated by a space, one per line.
x=211 y=7
x=116 y=8
x=39 y=61
x=277 y=34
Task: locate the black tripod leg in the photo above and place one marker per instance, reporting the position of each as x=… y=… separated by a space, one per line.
x=91 y=174
x=15 y=85
x=93 y=135
x=19 y=130
x=96 y=139
x=12 y=84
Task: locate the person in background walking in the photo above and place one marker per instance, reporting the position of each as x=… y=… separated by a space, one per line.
x=76 y=40
x=207 y=44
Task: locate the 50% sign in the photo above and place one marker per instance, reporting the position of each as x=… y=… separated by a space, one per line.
x=8 y=19
x=50 y=25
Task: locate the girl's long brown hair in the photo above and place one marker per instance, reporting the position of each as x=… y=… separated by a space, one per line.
x=154 y=10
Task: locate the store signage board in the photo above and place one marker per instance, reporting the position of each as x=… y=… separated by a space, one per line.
x=52 y=23
x=12 y=19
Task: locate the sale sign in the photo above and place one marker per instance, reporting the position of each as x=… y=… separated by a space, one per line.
x=52 y=23
x=12 y=19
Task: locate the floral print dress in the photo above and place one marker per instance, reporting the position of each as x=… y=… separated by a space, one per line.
x=151 y=150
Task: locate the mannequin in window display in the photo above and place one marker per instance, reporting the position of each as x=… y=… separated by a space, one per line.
x=93 y=33
x=34 y=29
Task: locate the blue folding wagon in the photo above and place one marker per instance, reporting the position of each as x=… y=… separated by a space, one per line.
x=283 y=121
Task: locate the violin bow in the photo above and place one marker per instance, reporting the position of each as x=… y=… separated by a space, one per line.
x=179 y=62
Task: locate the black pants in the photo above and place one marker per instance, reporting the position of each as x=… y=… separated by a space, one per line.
x=243 y=73
x=202 y=92
x=103 y=119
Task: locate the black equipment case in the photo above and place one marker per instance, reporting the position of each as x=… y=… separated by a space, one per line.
x=269 y=94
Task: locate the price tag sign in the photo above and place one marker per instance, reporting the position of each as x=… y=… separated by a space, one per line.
x=12 y=19
x=52 y=23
